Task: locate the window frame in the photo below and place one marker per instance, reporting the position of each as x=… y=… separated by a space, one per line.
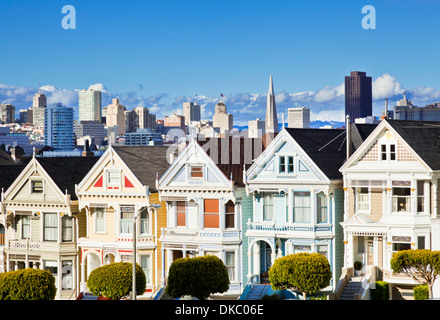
x=299 y=194
x=357 y=202
x=50 y=227
x=100 y=220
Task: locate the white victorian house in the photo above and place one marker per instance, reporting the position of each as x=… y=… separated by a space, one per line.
x=391 y=198
x=204 y=194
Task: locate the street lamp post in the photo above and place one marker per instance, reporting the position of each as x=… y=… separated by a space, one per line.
x=135 y=216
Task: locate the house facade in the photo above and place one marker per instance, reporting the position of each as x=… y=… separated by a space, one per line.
x=42 y=220
x=391 y=198
x=119 y=189
x=207 y=204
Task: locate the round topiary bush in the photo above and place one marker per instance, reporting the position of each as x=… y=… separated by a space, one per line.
x=27 y=284
x=114 y=280
x=305 y=272
x=198 y=277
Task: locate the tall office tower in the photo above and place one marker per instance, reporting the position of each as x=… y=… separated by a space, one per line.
x=7 y=113
x=89 y=103
x=191 y=112
x=116 y=116
x=358 y=95
x=139 y=118
x=39 y=103
x=298 y=117
x=256 y=128
x=271 y=110
x=222 y=119
x=58 y=127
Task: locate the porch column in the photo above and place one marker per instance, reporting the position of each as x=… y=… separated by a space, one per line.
x=350 y=251
x=376 y=250
x=83 y=275
x=249 y=256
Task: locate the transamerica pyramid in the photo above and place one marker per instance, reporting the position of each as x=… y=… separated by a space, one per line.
x=271 y=110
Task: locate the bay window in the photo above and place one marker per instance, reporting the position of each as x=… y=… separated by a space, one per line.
x=301 y=207
x=401 y=199
x=50 y=225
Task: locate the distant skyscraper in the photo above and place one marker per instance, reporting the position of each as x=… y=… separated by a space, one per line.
x=7 y=113
x=175 y=120
x=222 y=119
x=39 y=100
x=256 y=128
x=191 y=112
x=39 y=104
x=271 y=121
x=139 y=118
x=358 y=95
x=298 y=117
x=89 y=103
x=116 y=116
x=58 y=127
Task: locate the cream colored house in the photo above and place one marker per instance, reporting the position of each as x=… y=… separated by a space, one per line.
x=42 y=221
x=391 y=198
x=118 y=188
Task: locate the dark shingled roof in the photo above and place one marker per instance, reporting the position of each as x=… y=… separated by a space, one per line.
x=67 y=171
x=145 y=162
x=423 y=137
x=233 y=154
x=327 y=147
x=8 y=174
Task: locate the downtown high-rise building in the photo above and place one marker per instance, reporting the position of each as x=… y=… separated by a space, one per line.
x=115 y=117
x=191 y=112
x=7 y=113
x=271 y=121
x=89 y=106
x=358 y=95
x=298 y=117
x=39 y=104
x=58 y=127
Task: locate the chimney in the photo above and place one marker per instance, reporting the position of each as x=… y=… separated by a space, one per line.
x=348 y=134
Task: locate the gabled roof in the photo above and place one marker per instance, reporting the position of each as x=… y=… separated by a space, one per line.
x=423 y=137
x=327 y=147
x=67 y=171
x=145 y=162
x=238 y=156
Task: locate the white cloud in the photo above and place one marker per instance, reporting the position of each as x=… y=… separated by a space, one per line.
x=386 y=86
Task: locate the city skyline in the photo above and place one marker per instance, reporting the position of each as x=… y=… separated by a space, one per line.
x=161 y=54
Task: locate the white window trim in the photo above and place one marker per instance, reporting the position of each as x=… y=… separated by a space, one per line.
x=357 y=210
x=107 y=171
x=95 y=224
x=388 y=144
x=286 y=163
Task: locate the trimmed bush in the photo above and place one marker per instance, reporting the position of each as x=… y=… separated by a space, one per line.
x=27 y=284
x=114 y=280
x=305 y=272
x=421 y=292
x=198 y=277
x=381 y=292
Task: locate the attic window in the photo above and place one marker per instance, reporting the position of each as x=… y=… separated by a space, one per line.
x=196 y=172
x=113 y=177
x=388 y=152
x=37 y=186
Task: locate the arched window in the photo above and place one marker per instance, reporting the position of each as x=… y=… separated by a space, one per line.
x=230 y=215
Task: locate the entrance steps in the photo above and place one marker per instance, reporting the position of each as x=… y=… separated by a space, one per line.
x=352 y=287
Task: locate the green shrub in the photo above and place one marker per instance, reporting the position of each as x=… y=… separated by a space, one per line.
x=381 y=291
x=305 y=272
x=114 y=280
x=27 y=284
x=357 y=265
x=198 y=277
x=421 y=292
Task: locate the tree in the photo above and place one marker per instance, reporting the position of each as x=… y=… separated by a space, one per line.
x=114 y=280
x=304 y=272
x=422 y=265
x=198 y=277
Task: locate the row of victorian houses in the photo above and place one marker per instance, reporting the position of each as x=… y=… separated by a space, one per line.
x=356 y=194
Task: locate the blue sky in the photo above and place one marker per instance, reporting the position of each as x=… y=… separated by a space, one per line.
x=159 y=53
